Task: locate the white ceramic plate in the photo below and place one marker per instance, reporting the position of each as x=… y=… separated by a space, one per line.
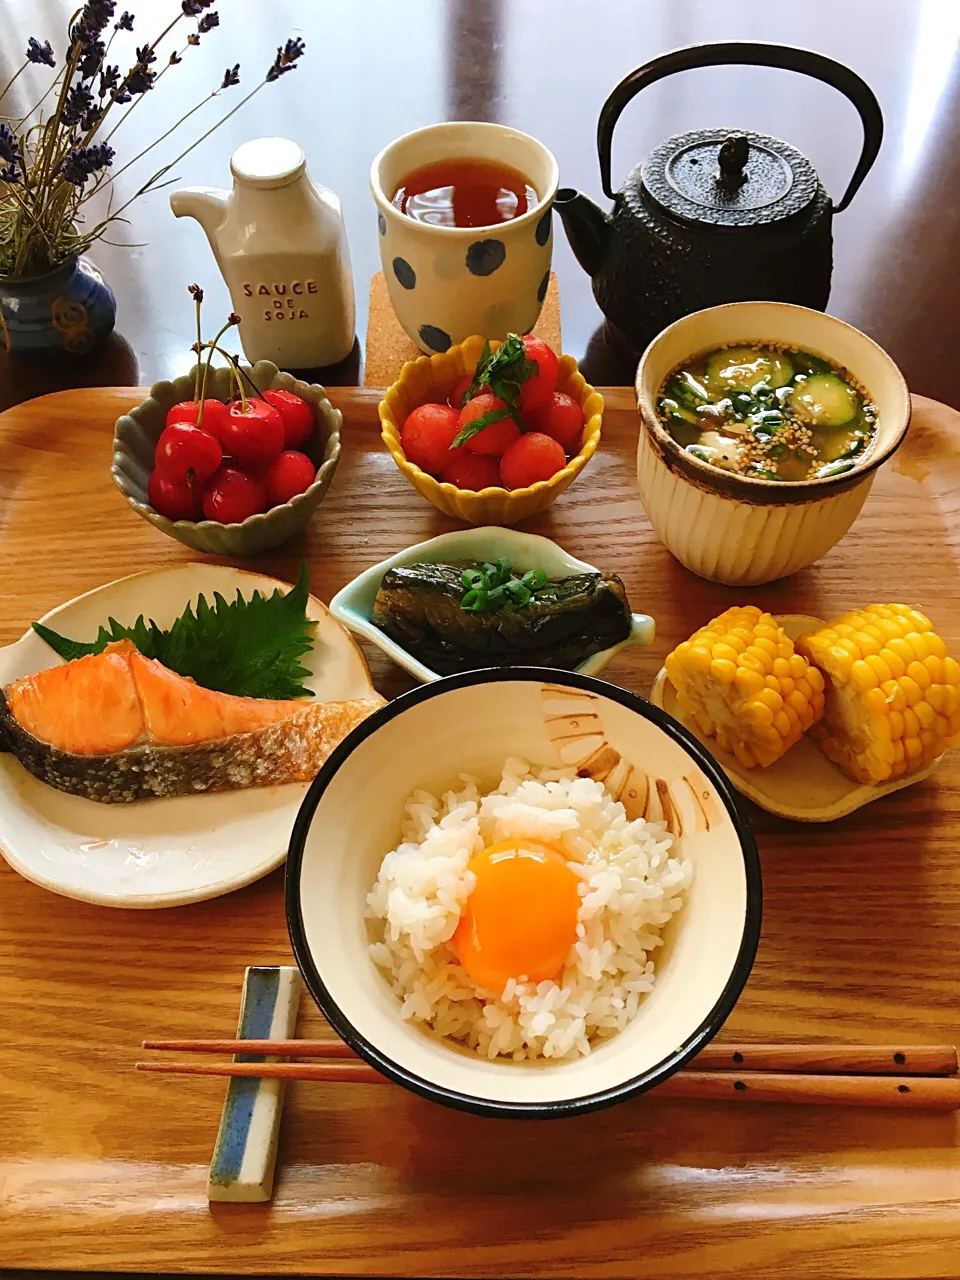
x=353 y=606
x=158 y=853
x=803 y=785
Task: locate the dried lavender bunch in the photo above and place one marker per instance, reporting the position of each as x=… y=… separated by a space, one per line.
x=57 y=156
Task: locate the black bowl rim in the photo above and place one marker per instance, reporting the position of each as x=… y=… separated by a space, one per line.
x=692 y=1045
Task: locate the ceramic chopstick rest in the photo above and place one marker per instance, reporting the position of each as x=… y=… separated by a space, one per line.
x=245 y=1155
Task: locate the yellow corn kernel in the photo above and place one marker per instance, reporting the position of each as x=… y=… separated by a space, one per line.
x=862 y=675
x=724 y=670
x=770 y=698
x=918 y=672
x=894 y=662
x=879 y=668
x=748 y=681
x=925 y=714
x=911 y=690
x=875 y=700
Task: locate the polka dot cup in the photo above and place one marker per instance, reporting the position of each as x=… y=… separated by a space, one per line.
x=446 y=283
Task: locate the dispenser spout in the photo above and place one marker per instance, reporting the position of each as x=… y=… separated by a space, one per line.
x=207 y=204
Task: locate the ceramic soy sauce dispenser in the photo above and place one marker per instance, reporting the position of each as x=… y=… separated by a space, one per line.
x=280 y=243
x=713 y=216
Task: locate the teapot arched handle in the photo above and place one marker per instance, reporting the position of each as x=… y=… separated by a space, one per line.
x=749 y=53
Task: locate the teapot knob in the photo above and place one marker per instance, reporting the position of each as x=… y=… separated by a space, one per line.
x=732 y=157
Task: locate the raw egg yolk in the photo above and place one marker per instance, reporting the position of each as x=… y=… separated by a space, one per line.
x=520 y=920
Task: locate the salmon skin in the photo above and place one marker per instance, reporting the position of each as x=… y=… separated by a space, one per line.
x=118 y=727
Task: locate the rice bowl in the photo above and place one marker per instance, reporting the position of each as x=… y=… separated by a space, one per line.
x=630 y=878
x=425 y=740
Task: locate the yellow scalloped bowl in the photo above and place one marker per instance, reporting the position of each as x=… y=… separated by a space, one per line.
x=430 y=378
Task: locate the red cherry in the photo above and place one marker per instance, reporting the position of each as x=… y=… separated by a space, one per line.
x=297 y=415
x=427 y=434
x=562 y=418
x=183 y=450
x=231 y=496
x=214 y=415
x=471 y=470
x=174 y=499
x=289 y=474
x=253 y=437
x=496 y=438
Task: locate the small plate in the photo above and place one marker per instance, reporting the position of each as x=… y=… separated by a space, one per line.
x=158 y=853
x=803 y=785
x=353 y=606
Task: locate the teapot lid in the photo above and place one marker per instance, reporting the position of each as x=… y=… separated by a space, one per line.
x=728 y=178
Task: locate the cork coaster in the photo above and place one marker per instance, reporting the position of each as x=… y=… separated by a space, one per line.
x=389 y=348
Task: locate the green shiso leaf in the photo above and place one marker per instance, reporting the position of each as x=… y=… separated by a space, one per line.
x=250 y=648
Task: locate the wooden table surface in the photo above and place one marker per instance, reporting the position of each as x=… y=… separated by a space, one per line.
x=378 y=69
x=104 y=1169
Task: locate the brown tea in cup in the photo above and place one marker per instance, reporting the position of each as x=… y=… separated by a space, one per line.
x=464 y=192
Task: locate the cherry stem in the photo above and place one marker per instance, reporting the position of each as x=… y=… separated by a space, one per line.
x=232 y=319
x=196 y=376
x=241 y=372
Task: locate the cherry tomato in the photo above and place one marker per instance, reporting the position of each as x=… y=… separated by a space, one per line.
x=214 y=414
x=536 y=391
x=174 y=499
x=455 y=397
x=427 y=434
x=232 y=496
x=471 y=470
x=255 y=437
x=562 y=418
x=289 y=474
x=531 y=458
x=184 y=451
x=297 y=415
x=496 y=438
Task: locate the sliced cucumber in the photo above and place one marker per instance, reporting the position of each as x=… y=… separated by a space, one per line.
x=674 y=412
x=835 y=469
x=686 y=390
x=824 y=400
x=743 y=367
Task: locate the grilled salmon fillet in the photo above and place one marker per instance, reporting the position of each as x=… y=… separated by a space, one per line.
x=117 y=727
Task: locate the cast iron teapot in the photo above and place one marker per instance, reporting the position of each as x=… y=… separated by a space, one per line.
x=715 y=215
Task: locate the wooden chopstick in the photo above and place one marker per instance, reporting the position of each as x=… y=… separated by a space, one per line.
x=930 y=1092
x=827 y=1059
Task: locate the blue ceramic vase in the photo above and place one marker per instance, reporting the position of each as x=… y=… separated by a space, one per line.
x=69 y=309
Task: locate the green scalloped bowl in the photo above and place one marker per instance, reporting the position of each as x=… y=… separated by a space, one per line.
x=135 y=440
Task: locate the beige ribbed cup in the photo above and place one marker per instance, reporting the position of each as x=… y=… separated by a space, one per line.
x=740 y=530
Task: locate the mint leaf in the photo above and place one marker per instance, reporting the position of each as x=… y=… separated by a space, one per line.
x=504 y=372
x=249 y=648
x=477 y=425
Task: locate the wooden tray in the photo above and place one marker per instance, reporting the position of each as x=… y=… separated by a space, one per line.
x=100 y=1168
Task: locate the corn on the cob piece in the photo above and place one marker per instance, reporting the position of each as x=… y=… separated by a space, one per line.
x=741 y=680
x=892 y=692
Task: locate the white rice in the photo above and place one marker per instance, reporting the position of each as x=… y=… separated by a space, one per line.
x=631 y=881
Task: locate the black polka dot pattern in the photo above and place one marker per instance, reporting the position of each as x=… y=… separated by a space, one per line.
x=436 y=339
x=484 y=256
x=544 y=285
x=404 y=272
x=542 y=232
x=382 y=224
